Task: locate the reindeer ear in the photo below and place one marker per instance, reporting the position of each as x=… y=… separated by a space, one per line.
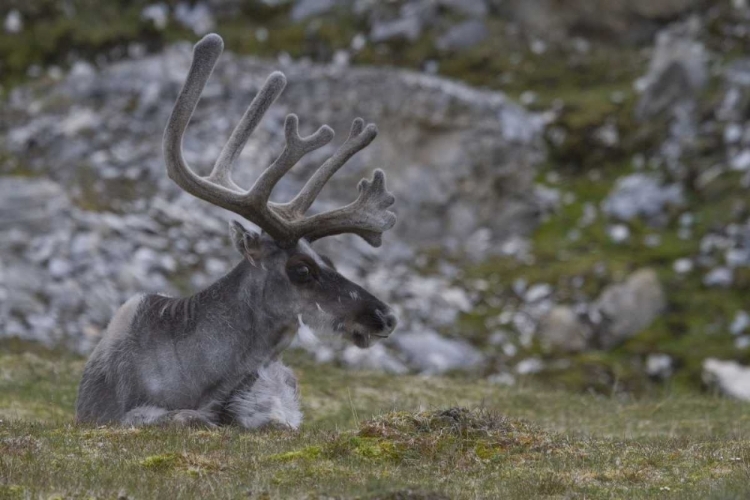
x=246 y=241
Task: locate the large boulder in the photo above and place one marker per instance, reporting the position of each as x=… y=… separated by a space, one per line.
x=562 y=330
x=625 y=309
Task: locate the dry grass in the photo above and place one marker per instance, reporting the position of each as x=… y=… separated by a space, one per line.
x=377 y=436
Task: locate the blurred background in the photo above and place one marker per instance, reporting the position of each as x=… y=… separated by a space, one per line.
x=572 y=176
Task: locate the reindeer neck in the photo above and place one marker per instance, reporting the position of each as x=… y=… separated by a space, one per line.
x=239 y=298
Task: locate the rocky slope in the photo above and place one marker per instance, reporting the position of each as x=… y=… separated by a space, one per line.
x=594 y=235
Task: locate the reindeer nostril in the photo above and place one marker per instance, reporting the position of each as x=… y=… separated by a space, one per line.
x=390 y=321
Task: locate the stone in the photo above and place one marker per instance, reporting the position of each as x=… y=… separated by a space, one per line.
x=561 y=330
x=472 y=8
x=197 y=17
x=740 y=323
x=529 y=366
x=728 y=377
x=406 y=28
x=13 y=22
x=641 y=195
x=683 y=266
x=659 y=366
x=463 y=36
x=627 y=308
x=375 y=358
x=678 y=71
x=618 y=233
x=431 y=353
x=720 y=277
x=304 y=9
x=537 y=292
x=157 y=13
x=28 y=203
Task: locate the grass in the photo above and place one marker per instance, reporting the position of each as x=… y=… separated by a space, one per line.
x=369 y=435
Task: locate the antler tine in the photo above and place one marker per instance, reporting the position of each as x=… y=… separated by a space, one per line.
x=271 y=90
x=205 y=55
x=359 y=138
x=296 y=148
x=366 y=217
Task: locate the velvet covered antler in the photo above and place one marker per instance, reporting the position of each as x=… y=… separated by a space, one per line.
x=367 y=216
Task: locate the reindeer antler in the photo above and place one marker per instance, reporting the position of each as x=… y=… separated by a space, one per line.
x=367 y=216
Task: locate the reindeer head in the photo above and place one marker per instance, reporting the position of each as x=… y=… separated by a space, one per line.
x=296 y=278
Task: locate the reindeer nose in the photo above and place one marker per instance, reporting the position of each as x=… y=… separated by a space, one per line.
x=389 y=321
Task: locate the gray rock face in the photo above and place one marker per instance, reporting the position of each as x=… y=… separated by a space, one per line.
x=106 y=222
x=625 y=309
x=729 y=377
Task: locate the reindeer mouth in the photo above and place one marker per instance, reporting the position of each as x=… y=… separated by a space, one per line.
x=359 y=336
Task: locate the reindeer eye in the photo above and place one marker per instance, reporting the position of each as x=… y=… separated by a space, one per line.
x=301 y=273
x=301 y=269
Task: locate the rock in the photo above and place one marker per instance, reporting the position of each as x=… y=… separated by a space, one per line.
x=197 y=17
x=659 y=366
x=729 y=377
x=529 y=366
x=740 y=323
x=618 y=233
x=721 y=277
x=641 y=195
x=626 y=309
x=472 y=8
x=412 y=17
x=157 y=13
x=376 y=358
x=28 y=203
x=463 y=35
x=431 y=353
x=677 y=72
x=561 y=330
x=407 y=28
x=537 y=292
x=13 y=22
x=307 y=8
x=682 y=266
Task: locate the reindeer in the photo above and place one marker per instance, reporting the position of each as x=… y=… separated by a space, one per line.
x=213 y=358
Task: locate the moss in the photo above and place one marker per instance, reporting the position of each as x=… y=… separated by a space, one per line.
x=308 y=453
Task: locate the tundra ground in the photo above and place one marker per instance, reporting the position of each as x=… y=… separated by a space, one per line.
x=371 y=435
